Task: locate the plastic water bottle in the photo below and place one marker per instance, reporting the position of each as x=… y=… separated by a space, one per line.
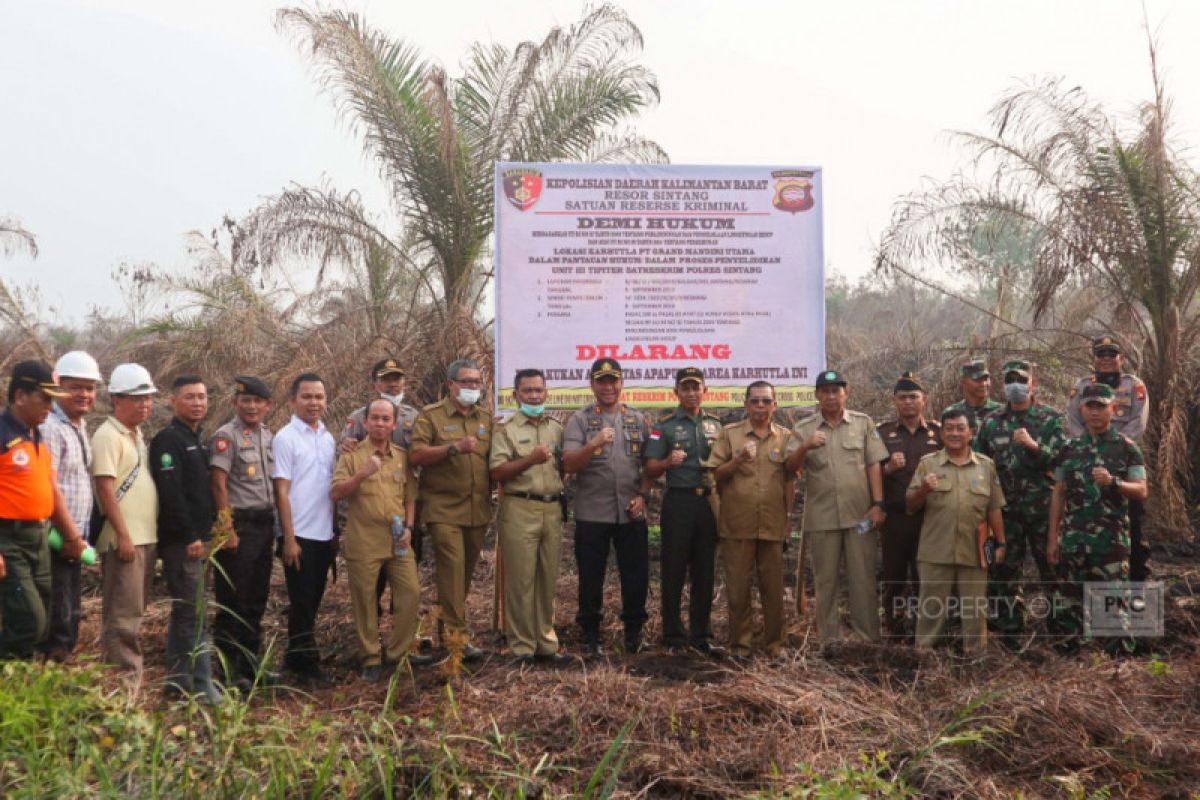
x=398 y=536
x=863 y=525
x=55 y=540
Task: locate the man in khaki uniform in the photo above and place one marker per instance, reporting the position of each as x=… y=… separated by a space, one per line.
x=450 y=443
x=756 y=492
x=527 y=459
x=958 y=489
x=840 y=452
x=377 y=484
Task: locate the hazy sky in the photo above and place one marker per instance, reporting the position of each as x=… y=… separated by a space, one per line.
x=125 y=123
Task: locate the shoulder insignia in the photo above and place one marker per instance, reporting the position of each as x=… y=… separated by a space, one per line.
x=221 y=444
x=1139 y=390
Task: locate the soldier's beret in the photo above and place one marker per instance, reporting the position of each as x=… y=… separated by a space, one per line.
x=908 y=383
x=1097 y=393
x=246 y=384
x=388 y=366
x=686 y=374
x=1103 y=344
x=830 y=377
x=606 y=367
x=1017 y=365
x=975 y=370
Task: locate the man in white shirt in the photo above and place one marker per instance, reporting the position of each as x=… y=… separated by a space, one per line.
x=304 y=454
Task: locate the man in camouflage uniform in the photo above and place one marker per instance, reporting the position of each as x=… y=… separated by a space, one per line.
x=1131 y=412
x=1022 y=438
x=976 y=384
x=1095 y=477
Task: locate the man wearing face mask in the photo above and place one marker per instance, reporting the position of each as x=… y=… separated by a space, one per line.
x=451 y=443
x=976 y=384
x=1131 y=413
x=1023 y=439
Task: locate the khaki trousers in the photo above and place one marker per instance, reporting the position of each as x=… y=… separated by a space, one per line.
x=948 y=587
x=744 y=559
x=126 y=586
x=401 y=572
x=530 y=541
x=455 y=551
x=859 y=549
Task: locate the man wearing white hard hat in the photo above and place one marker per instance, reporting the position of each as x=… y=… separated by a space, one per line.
x=66 y=436
x=129 y=501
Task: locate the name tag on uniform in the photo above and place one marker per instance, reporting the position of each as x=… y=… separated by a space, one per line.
x=524 y=441
x=1002 y=440
x=449 y=428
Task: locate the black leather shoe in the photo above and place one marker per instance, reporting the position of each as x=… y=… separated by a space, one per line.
x=520 y=662
x=634 y=643
x=420 y=660
x=556 y=660
x=472 y=654
x=371 y=673
x=593 y=649
x=709 y=649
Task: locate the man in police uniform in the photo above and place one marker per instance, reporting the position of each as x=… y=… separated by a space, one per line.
x=976 y=384
x=451 y=441
x=1131 y=413
x=526 y=459
x=379 y=487
x=240 y=474
x=908 y=438
x=757 y=492
x=387 y=379
x=1022 y=438
x=603 y=446
x=179 y=465
x=679 y=444
x=840 y=452
x=28 y=496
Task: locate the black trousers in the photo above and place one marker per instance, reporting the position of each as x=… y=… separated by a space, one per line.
x=689 y=546
x=1139 y=545
x=592 y=543
x=306 y=587
x=64 y=612
x=901 y=536
x=242 y=583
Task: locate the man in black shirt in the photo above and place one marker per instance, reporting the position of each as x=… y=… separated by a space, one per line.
x=179 y=464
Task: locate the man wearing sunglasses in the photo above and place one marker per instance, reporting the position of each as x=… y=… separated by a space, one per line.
x=451 y=443
x=1023 y=439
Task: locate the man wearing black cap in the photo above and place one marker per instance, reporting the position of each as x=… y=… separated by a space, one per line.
x=1131 y=413
x=841 y=452
x=240 y=468
x=603 y=446
x=28 y=497
x=678 y=446
x=976 y=384
x=908 y=438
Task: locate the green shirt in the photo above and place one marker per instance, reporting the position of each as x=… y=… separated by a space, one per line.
x=693 y=435
x=1087 y=505
x=1024 y=473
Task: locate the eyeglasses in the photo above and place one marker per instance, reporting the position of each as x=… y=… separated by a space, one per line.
x=470 y=383
x=760 y=401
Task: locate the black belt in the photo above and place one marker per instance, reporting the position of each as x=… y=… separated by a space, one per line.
x=698 y=491
x=255 y=513
x=545 y=498
x=21 y=524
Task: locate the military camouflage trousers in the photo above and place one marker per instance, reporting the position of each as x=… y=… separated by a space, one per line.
x=1023 y=533
x=1089 y=554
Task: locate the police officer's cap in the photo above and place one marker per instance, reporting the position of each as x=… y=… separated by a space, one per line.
x=605 y=368
x=36 y=376
x=908 y=383
x=1017 y=365
x=1105 y=344
x=830 y=377
x=975 y=370
x=246 y=384
x=689 y=374
x=388 y=366
x=1100 y=393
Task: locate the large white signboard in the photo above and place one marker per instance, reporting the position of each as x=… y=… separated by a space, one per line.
x=659 y=268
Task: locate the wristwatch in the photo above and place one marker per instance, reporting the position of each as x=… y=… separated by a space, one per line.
x=451 y=449
x=877 y=504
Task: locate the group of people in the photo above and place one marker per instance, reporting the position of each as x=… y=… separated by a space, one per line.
x=957 y=503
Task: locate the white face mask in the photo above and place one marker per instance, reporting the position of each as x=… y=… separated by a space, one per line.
x=395 y=399
x=468 y=397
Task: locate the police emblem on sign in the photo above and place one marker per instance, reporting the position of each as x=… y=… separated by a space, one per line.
x=523 y=187
x=793 y=190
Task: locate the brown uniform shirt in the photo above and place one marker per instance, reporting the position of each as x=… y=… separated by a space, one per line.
x=926 y=439
x=516 y=438
x=754 y=499
x=964 y=496
x=837 y=494
x=456 y=491
x=368 y=533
